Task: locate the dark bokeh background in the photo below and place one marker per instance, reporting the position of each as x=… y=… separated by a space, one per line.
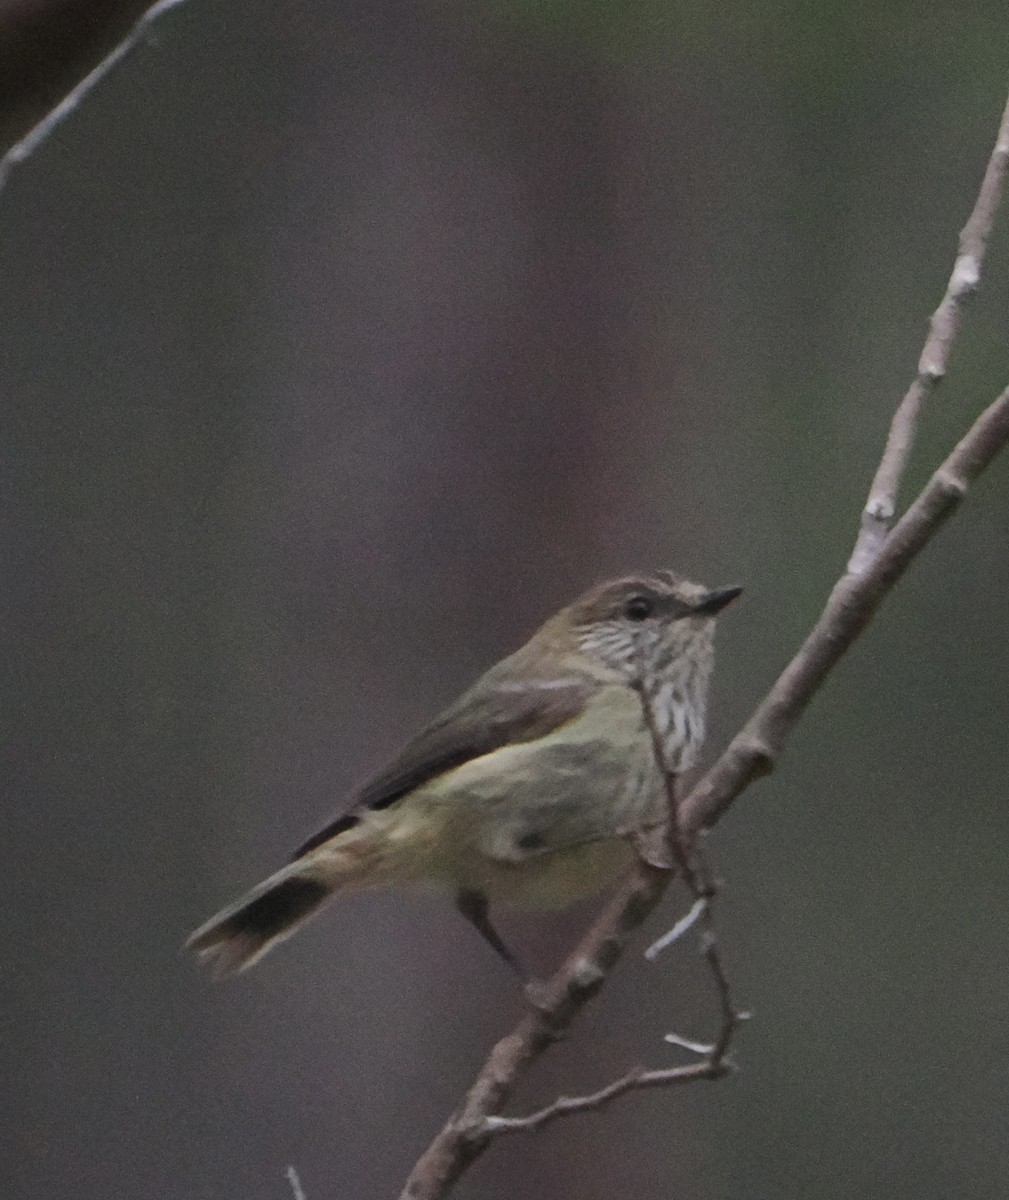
x=340 y=344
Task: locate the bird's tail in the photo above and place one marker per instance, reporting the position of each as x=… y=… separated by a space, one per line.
x=241 y=934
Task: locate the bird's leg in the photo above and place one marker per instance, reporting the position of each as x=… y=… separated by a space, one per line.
x=473 y=906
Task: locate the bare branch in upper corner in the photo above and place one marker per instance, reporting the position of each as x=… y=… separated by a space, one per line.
x=73 y=99
x=850 y=607
x=881 y=505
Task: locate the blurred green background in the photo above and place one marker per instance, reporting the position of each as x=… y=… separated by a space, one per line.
x=340 y=344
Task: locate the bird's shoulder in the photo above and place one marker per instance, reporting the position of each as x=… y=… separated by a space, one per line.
x=518 y=700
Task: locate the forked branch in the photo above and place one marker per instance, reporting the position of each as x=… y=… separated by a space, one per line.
x=963 y=282
x=851 y=606
x=881 y=557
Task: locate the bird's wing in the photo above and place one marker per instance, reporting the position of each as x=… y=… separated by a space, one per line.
x=495 y=712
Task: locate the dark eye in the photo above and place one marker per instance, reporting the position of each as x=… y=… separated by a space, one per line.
x=638 y=608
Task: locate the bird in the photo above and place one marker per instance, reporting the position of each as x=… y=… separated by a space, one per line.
x=529 y=790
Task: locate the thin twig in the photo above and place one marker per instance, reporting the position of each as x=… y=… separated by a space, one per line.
x=565 y=1105
x=965 y=278
x=706 y=889
x=684 y=924
x=295 y=1181
x=693 y=867
x=72 y=100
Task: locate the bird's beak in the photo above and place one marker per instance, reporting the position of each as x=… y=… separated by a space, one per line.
x=715 y=601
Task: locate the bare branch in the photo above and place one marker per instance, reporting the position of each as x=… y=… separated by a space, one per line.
x=72 y=100
x=849 y=609
x=851 y=606
x=752 y=753
x=966 y=276
x=711 y=949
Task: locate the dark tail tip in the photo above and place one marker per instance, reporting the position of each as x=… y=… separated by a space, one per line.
x=238 y=936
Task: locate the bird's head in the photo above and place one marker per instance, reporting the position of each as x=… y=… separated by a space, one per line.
x=649 y=624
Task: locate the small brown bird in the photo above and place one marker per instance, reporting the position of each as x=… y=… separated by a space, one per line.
x=525 y=791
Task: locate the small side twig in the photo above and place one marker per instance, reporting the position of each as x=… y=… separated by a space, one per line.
x=72 y=100
x=693 y=867
x=638 y=1078
x=711 y=950
x=682 y=926
x=963 y=281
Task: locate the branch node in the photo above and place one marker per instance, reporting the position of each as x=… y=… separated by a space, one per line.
x=966 y=275
x=930 y=368
x=950 y=484
x=869 y=545
x=880 y=508
x=474 y=1132
x=538 y=997
x=760 y=752
x=586 y=973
